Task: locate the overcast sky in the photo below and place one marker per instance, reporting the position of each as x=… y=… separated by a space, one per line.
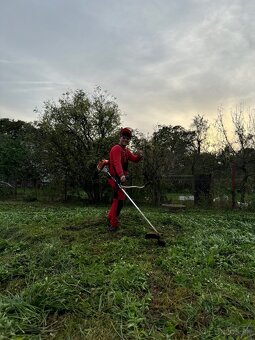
x=165 y=61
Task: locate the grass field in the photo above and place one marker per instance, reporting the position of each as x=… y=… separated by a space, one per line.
x=64 y=276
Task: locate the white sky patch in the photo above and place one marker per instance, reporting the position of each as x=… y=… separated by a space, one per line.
x=164 y=61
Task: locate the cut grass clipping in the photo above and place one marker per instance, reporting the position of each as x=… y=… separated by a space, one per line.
x=86 y=283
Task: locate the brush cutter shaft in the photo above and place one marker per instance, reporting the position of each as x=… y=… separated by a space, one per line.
x=139 y=210
x=120 y=186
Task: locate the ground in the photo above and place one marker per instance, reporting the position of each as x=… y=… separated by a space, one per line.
x=63 y=275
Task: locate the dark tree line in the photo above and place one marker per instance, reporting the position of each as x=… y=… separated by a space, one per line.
x=72 y=135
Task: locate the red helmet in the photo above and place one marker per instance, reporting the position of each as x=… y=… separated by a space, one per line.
x=127 y=131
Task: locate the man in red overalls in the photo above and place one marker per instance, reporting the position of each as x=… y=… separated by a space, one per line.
x=118 y=168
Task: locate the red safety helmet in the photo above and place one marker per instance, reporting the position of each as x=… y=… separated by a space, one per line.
x=127 y=131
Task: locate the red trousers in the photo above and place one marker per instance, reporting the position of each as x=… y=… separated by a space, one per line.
x=117 y=204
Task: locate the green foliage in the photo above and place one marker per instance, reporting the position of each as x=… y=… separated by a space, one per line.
x=13 y=155
x=30 y=198
x=63 y=275
x=58 y=294
x=167 y=153
x=17 y=317
x=75 y=134
x=16 y=157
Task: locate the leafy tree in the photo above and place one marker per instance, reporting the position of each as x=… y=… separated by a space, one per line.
x=166 y=154
x=12 y=157
x=199 y=127
x=75 y=134
x=15 y=151
x=240 y=145
x=14 y=129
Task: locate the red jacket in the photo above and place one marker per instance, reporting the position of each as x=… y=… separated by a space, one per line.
x=119 y=157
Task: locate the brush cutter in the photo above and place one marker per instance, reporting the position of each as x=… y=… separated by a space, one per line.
x=103 y=166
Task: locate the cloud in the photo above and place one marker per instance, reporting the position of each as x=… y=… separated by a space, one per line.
x=164 y=61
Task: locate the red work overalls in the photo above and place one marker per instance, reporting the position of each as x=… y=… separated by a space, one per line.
x=118 y=166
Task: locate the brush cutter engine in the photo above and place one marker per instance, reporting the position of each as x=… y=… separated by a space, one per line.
x=103 y=165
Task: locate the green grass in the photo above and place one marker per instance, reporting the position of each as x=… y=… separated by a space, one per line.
x=63 y=276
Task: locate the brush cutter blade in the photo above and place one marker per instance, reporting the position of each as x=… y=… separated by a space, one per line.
x=161 y=243
x=152 y=235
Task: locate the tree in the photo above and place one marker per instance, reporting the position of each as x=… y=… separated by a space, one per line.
x=165 y=155
x=199 y=127
x=76 y=133
x=240 y=145
x=14 y=128
x=16 y=162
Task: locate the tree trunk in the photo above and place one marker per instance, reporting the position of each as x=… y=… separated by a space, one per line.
x=65 y=190
x=96 y=191
x=15 y=189
x=156 y=193
x=243 y=187
x=233 y=187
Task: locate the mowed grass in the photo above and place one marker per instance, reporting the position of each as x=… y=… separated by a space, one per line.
x=64 y=276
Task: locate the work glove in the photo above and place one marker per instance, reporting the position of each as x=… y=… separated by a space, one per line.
x=123 y=179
